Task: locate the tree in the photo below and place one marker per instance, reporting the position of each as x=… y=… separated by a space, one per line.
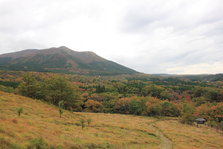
x=19 y=111
x=200 y=100
x=100 y=88
x=137 y=106
x=29 y=86
x=123 y=105
x=89 y=121
x=153 y=107
x=93 y=106
x=187 y=113
x=152 y=90
x=58 y=89
x=169 y=109
x=82 y=121
x=61 y=105
x=187 y=118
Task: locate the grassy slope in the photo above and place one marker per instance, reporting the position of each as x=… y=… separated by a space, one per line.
x=191 y=137
x=41 y=120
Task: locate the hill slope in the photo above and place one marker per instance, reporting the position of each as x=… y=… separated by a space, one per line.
x=105 y=131
x=61 y=59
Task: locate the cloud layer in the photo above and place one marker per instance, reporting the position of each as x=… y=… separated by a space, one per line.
x=162 y=36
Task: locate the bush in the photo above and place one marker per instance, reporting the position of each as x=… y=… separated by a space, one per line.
x=169 y=109
x=153 y=107
x=93 y=106
x=19 y=111
x=137 y=106
x=5 y=144
x=38 y=144
x=89 y=121
x=187 y=118
x=7 y=89
x=61 y=105
x=82 y=121
x=122 y=105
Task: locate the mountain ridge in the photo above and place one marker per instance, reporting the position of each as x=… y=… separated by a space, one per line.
x=63 y=60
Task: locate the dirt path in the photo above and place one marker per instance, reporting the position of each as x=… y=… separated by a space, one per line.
x=166 y=143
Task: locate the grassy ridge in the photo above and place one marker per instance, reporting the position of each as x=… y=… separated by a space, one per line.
x=40 y=120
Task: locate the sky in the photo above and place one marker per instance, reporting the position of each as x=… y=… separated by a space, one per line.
x=150 y=36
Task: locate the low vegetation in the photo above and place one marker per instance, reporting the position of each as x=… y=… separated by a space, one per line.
x=169 y=97
x=40 y=127
x=19 y=111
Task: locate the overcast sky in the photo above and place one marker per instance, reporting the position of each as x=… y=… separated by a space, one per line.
x=151 y=36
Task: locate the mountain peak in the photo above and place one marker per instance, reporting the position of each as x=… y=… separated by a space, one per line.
x=64 y=48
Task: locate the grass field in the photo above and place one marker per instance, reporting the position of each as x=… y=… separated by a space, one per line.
x=40 y=120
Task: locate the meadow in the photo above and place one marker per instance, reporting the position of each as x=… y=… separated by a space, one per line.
x=40 y=125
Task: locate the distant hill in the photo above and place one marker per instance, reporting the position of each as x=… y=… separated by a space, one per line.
x=62 y=60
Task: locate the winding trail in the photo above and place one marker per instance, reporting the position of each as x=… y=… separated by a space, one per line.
x=166 y=143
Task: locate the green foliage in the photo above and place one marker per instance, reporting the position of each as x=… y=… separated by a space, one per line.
x=9 y=84
x=61 y=106
x=123 y=105
x=127 y=94
x=29 y=86
x=153 y=107
x=38 y=144
x=93 y=106
x=187 y=108
x=169 y=109
x=187 y=118
x=200 y=100
x=107 y=99
x=58 y=89
x=82 y=122
x=187 y=113
x=212 y=94
x=89 y=121
x=7 y=89
x=100 y=88
x=19 y=111
x=152 y=90
x=60 y=112
x=137 y=106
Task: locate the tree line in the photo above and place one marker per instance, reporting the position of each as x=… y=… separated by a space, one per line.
x=138 y=97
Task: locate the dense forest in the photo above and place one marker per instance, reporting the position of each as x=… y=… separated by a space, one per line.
x=183 y=97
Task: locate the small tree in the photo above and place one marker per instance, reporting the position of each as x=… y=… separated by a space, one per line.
x=82 y=123
x=89 y=122
x=58 y=89
x=61 y=105
x=19 y=111
x=187 y=118
x=29 y=86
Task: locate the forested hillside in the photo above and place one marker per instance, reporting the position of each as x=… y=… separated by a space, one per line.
x=137 y=95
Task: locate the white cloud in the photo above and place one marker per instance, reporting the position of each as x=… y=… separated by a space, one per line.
x=162 y=36
x=203 y=68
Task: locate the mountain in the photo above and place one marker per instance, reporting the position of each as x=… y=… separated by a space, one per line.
x=62 y=60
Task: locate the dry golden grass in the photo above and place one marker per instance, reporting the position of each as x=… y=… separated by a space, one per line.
x=40 y=120
x=191 y=137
